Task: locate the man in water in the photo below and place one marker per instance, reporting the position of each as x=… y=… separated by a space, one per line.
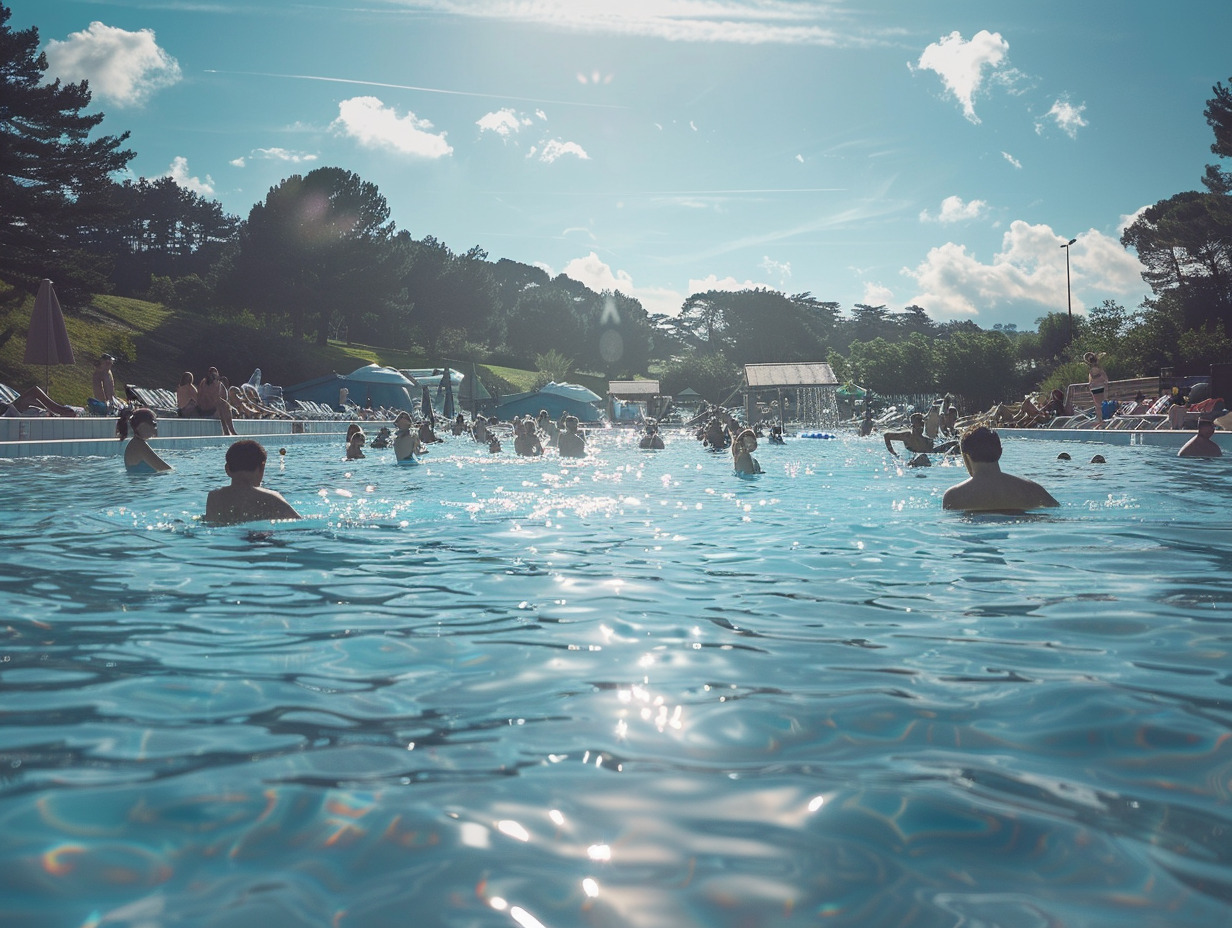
x=571 y=443
x=988 y=488
x=916 y=440
x=245 y=500
x=1203 y=444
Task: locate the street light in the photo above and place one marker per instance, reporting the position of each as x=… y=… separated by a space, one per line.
x=1069 y=300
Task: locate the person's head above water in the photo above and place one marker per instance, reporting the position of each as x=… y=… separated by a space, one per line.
x=245 y=456
x=981 y=444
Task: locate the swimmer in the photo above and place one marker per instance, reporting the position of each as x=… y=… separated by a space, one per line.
x=245 y=500
x=1202 y=445
x=988 y=489
x=1098 y=459
x=139 y=457
x=355 y=445
x=651 y=440
x=742 y=453
x=571 y=443
x=406 y=443
x=916 y=440
x=1064 y=456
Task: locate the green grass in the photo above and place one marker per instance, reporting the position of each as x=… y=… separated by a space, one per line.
x=154 y=344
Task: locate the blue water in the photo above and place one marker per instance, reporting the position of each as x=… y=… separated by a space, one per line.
x=631 y=690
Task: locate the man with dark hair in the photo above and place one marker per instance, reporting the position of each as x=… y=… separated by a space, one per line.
x=1203 y=444
x=916 y=440
x=245 y=500
x=988 y=489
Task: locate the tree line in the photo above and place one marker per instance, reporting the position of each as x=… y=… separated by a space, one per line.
x=320 y=257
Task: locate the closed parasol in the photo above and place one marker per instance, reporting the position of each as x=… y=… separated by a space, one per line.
x=47 y=339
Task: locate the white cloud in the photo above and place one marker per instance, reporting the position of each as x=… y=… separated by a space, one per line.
x=877 y=295
x=504 y=123
x=123 y=67
x=1067 y=117
x=961 y=64
x=374 y=125
x=178 y=172
x=556 y=149
x=781 y=269
x=1027 y=277
x=1014 y=162
x=284 y=155
x=783 y=22
x=953 y=209
x=598 y=276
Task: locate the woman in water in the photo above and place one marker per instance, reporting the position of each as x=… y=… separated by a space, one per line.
x=139 y=457
x=406 y=442
x=742 y=453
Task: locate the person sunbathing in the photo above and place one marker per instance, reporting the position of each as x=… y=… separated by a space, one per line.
x=245 y=500
x=34 y=402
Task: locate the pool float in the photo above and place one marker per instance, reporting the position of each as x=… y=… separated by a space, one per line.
x=816 y=435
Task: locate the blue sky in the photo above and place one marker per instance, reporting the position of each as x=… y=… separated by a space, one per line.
x=868 y=151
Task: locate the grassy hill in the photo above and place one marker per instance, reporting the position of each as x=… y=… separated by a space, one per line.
x=153 y=345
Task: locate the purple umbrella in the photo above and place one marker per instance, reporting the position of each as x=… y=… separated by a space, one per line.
x=47 y=339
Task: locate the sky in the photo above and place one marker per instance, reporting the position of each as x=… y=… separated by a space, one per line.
x=883 y=152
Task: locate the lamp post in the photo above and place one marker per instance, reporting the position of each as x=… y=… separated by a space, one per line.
x=1069 y=300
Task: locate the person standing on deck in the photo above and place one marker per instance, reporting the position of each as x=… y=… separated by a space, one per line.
x=1097 y=382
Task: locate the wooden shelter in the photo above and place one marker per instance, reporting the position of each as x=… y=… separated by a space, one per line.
x=806 y=387
x=636 y=391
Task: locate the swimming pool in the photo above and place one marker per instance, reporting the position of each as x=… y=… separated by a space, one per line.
x=630 y=690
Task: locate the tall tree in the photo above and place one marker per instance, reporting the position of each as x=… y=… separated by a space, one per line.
x=317 y=247
x=1218 y=115
x=47 y=161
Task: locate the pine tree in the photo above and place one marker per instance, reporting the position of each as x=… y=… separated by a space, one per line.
x=47 y=161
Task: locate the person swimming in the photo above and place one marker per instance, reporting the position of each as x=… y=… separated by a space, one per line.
x=743 y=447
x=245 y=500
x=988 y=489
x=139 y=457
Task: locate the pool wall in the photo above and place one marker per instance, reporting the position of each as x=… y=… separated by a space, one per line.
x=22 y=437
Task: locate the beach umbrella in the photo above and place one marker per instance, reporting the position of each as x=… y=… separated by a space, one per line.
x=448 y=379
x=425 y=405
x=47 y=339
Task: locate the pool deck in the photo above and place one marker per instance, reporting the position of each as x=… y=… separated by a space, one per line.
x=1160 y=438
x=55 y=436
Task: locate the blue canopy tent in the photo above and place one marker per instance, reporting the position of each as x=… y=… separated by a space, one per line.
x=384 y=386
x=556 y=398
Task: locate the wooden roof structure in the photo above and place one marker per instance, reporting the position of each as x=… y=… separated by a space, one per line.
x=801 y=374
x=633 y=389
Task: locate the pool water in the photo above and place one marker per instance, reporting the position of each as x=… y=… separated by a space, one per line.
x=631 y=690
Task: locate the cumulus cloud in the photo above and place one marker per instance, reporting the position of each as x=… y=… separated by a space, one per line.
x=1068 y=118
x=374 y=125
x=961 y=65
x=555 y=149
x=504 y=123
x=599 y=276
x=781 y=269
x=179 y=173
x=953 y=209
x=876 y=294
x=123 y=67
x=1027 y=277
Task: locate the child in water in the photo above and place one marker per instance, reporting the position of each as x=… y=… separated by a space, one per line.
x=742 y=453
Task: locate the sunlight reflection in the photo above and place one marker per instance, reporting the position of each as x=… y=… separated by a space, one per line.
x=591 y=888
x=513 y=830
x=601 y=852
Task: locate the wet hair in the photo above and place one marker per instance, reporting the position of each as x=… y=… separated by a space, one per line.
x=1090 y=357
x=351 y=430
x=131 y=418
x=981 y=444
x=245 y=455
x=186 y=378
